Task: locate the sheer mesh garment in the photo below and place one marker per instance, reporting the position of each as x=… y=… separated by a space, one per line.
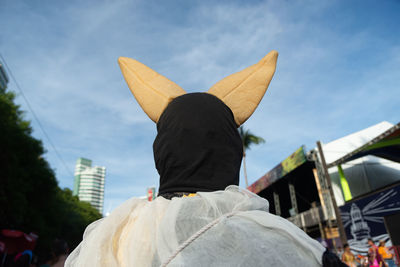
x=142 y=233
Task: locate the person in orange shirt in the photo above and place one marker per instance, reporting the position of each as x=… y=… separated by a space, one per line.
x=386 y=255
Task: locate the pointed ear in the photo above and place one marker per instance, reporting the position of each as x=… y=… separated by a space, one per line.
x=152 y=91
x=243 y=91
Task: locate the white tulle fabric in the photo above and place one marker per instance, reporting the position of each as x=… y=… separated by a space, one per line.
x=142 y=233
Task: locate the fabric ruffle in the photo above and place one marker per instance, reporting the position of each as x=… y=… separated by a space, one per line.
x=142 y=233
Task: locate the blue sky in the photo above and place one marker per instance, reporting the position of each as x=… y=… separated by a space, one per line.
x=338 y=72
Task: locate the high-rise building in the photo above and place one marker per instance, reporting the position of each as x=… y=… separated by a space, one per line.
x=3 y=77
x=89 y=183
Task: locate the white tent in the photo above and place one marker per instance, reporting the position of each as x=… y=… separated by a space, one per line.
x=364 y=174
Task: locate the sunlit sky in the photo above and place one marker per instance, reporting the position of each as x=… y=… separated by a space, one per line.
x=338 y=72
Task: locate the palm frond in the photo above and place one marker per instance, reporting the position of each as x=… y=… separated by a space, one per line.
x=248 y=138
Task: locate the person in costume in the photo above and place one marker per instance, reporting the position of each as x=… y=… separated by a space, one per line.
x=374 y=257
x=348 y=257
x=200 y=217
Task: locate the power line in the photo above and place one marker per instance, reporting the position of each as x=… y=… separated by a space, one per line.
x=35 y=117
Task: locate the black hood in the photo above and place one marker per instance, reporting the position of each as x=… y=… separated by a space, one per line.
x=198 y=147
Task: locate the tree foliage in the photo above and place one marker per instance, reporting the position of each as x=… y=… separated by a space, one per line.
x=30 y=199
x=249 y=138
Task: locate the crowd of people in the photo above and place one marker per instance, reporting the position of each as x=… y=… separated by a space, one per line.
x=378 y=256
x=54 y=258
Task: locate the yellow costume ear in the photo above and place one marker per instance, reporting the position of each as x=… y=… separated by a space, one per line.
x=243 y=91
x=152 y=91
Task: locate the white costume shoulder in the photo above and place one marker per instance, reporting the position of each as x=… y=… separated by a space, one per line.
x=142 y=233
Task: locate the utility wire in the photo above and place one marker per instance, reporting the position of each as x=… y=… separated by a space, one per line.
x=36 y=117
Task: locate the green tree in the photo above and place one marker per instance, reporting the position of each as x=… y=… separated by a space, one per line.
x=248 y=139
x=30 y=199
x=74 y=216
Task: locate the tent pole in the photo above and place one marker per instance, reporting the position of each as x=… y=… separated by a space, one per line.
x=339 y=222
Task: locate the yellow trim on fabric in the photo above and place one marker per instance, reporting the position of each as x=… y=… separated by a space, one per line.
x=190 y=195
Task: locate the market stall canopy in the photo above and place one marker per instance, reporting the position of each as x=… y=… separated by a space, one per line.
x=15 y=241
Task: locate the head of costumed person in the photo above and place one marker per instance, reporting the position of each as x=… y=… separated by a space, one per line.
x=198 y=147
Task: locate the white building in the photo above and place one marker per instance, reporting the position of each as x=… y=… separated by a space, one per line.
x=89 y=183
